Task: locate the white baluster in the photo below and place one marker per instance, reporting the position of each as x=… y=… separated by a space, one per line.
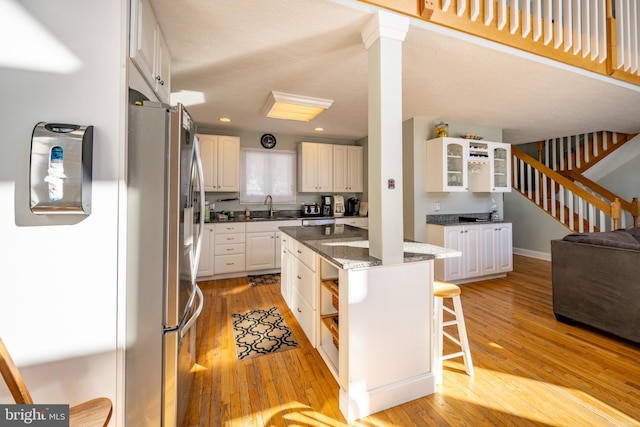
x=502 y=14
x=602 y=30
x=462 y=7
x=537 y=187
x=553 y=202
x=561 y=204
x=633 y=48
x=548 y=21
x=577 y=26
x=554 y=152
x=445 y=5
x=557 y=19
x=488 y=11
x=545 y=193
x=567 y=23
x=515 y=17
x=577 y=151
x=537 y=20
x=586 y=28
x=475 y=10
x=526 y=18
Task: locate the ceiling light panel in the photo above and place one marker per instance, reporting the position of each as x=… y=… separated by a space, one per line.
x=294 y=107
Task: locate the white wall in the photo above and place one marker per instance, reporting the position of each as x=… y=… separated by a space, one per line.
x=59 y=275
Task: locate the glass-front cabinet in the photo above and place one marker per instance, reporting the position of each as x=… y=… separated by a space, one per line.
x=447 y=165
x=501 y=170
x=456 y=164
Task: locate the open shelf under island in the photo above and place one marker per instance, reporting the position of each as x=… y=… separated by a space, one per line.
x=371 y=323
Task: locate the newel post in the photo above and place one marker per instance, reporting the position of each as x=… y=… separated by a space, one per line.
x=615 y=212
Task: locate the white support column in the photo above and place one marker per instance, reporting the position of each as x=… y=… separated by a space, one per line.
x=383 y=37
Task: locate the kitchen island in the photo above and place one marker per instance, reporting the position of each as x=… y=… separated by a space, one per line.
x=371 y=323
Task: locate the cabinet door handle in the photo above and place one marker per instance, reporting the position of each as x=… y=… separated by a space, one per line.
x=300 y=278
x=299 y=311
x=229 y=249
x=230 y=263
x=299 y=251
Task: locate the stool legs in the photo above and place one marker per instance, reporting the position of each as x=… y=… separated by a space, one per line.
x=440 y=333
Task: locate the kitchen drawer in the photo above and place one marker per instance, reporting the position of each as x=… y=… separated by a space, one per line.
x=228 y=239
x=233 y=249
x=230 y=228
x=304 y=254
x=286 y=242
x=229 y=263
x=304 y=314
x=304 y=281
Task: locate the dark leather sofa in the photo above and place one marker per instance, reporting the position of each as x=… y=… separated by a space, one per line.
x=596 y=281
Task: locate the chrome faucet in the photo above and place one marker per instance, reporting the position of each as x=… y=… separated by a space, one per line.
x=269 y=202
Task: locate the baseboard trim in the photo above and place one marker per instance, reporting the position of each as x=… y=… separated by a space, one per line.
x=532 y=254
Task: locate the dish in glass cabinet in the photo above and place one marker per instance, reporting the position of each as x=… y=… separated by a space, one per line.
x=471 y=136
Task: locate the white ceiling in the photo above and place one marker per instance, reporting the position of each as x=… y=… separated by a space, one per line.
x=235 y=52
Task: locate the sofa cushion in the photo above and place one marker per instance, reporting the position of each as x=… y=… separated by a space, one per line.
x=622 y=239
x=635 y=232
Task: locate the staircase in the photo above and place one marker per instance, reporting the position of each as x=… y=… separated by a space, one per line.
x=555 y=182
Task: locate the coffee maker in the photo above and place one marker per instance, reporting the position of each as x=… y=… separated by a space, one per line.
x=353 y=207
x=338 y=205
x=327 y=205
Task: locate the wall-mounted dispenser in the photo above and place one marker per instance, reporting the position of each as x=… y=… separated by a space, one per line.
x=61 y=168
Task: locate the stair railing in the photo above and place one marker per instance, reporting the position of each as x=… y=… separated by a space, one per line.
x=631 y=207
x=579 y=152
x=567 y=202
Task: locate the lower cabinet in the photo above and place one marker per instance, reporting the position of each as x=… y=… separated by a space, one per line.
x=263 y=244
x=487 y=250
x=207 y=252
x=299 y=285
x=229 y=248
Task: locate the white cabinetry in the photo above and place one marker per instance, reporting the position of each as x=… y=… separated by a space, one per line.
x=229 y=248
x=207 y=252
x=447 y=165
x=148 y=50
x=492 y=173
x=486 y=251
x=220 y=162
x=263 y=244
x=348 y=169
x=497 y=248
x=301 y=286
x=455 y=164
x=315 y=167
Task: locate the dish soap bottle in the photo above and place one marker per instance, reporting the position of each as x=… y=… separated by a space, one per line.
x=247 y=213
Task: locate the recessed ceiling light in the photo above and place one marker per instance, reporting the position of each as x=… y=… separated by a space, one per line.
x=294 y=107
x=319 y=129
x=225 y=119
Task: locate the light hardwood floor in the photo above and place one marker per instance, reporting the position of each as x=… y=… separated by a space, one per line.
x=529 y=368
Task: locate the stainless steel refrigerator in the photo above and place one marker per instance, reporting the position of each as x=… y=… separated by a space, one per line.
x=165 y=218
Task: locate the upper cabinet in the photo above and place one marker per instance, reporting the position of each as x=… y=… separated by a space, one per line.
x=447 y=165
x=348 y=169
x=148 y=50
x=315 y=167
x=456 y=164
x=489 y=171
x=220 y=162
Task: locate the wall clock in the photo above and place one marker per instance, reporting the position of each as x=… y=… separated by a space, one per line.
x=268 y=141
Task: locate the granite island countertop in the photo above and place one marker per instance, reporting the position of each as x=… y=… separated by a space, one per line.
x=348 y=247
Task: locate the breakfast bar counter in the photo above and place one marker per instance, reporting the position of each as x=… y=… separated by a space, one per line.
x=371 y=322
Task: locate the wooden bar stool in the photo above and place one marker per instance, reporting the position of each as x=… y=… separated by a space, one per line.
x=442 y=290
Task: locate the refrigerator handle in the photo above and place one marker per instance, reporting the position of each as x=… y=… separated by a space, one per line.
x=198 y=248
x=194 y=316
